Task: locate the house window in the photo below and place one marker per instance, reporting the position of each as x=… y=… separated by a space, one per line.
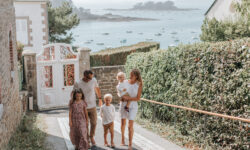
x=11 y=52
x=69 y=74
x=1 y=105
x=47 y=77
x=0 y=91
x=22 y=31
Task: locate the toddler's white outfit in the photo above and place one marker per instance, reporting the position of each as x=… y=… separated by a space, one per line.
x=107 y=113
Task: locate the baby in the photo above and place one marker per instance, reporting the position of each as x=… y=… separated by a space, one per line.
x=107 y=113
x=121 y=88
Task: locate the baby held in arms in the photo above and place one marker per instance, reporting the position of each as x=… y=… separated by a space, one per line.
x=122 y=88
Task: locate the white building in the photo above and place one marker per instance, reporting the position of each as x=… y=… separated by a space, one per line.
x=32 y=23
x=222 y=9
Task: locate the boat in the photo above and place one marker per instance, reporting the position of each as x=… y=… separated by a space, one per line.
x=171 y=45
x=99 y=43
x=177 y=40
x=140 y=33
x=87 y=42
x=108 y=47
x=195 y=38
x=149 y=39
x=105 y=33
x=158 y=34
x=173 y=32
x=129 y=31
x=193 y=32
x=123 y=41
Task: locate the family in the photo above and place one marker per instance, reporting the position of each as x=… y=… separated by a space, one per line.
x=82 y=109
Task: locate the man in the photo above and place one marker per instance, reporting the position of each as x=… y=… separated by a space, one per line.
x=89 y=87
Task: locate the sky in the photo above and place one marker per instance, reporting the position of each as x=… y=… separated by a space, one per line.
x=102 y=4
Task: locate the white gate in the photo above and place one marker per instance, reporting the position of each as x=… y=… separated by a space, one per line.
x=57 y=70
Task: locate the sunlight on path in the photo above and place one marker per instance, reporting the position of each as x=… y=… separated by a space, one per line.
x=139 y=140
x=64 y=125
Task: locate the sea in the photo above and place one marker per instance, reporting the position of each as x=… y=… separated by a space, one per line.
x=171 y=28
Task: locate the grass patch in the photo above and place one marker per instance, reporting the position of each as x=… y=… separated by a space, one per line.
x=170 y=133
x=28 y=136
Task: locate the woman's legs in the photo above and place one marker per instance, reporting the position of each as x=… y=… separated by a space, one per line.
x=123 y=125
x=130 y=132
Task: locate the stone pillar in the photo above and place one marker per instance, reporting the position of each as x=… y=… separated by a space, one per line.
x=30 y=75
x=84 y=60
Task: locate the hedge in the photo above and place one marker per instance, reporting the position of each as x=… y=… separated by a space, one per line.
x=118 y=56
x=207 y=76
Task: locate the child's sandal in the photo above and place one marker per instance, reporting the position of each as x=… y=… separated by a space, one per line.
x=126 y=108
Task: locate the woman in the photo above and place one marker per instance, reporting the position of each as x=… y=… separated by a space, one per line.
x=134 y=92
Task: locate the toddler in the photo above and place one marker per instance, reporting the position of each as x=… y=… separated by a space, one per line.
x=122 y=88
x=107 y=113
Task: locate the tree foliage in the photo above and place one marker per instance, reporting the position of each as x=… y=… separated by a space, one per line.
x=214 y=30
x=61 y=20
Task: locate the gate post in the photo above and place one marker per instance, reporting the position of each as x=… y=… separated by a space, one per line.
x=84 y=60
x=30 y=75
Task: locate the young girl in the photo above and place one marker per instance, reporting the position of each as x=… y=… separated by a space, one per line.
x=78 y=120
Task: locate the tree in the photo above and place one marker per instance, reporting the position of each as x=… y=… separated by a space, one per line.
x=214 y=30
x=61 y=20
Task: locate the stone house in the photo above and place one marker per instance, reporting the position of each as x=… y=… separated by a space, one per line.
x=32 y=23
x=11 y=105
x=222 y=9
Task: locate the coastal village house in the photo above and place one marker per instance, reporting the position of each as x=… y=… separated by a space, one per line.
x=222 y=9
x=32 y=23
x=11 y=105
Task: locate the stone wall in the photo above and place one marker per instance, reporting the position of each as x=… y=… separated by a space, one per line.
x=106 y=77
x=118 y=56
x=9 y=87
x=31 y=75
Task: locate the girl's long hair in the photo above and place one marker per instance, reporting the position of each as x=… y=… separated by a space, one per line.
x=137 y=73
x=74 y=92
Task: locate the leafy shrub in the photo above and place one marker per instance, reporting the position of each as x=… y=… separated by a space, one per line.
x=28 y=136
x=214 y=30
x=118 y=56
x=20 y=47
x=207 y=76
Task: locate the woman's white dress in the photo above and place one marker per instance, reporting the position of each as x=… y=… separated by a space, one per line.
x=133 y=107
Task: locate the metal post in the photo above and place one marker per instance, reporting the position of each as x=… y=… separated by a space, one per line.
x=142 y=113
x=175 y=116
x=205 y=127
x=153 y=116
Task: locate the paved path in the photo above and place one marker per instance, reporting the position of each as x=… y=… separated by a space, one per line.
x=56 y=126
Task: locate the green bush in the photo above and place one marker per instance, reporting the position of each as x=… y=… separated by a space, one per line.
x=207 y=76
x=228 y=29
x=28 y=136
x=118 y=56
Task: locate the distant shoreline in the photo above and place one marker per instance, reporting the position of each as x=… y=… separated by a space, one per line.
x=179 y=9
x=111 y=18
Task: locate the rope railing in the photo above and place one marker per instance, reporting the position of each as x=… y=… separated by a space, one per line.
x=199 y=111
